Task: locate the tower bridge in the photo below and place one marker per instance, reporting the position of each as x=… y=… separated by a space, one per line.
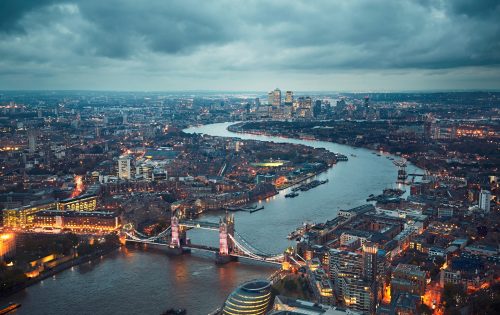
x=231 y=244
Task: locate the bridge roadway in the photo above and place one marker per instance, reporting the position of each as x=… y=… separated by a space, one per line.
x=199 y=224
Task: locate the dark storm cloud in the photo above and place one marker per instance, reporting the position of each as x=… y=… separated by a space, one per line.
x=204 y=38
x=11 y=11
x=173 y=27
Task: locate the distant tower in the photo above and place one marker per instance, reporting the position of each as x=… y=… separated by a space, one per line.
x=289 y=98
x=485 y=200
x=31 y=141
x=317 y=108
x=274 y=98
x=257 y=102
x=124 y=167
x=125 y=118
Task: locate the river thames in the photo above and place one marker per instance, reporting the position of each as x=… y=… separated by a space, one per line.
x=132 y=281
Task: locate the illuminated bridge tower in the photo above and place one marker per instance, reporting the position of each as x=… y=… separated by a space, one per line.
x=226 y=245
x=175 y=241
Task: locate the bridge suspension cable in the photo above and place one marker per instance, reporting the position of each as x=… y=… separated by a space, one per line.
x=252 y=254
x=145 y=238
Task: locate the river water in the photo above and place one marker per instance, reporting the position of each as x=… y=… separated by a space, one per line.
x=132 y=281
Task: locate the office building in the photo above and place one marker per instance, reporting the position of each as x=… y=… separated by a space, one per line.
x=485 y=200
x=252 y=297
x=274 y=98
x=409 y=279
x=80 y=203
x=84 y=221
x=317 y=108
x=23 y=216
x=289 y=98
x=124 y=167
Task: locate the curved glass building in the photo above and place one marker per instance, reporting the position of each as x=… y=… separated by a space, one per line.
x=252 y=297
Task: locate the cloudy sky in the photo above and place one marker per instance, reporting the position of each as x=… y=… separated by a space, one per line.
x=355 y=45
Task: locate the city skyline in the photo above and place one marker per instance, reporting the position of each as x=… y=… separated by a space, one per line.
x=321 y=46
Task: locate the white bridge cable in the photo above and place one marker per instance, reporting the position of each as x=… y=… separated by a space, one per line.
x=148 y=239
x=249 y=252
x=251 y=247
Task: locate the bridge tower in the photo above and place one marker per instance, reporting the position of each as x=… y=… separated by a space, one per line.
x=175 y=227
x=226 y=245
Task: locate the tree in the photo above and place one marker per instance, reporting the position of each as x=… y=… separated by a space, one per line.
x=453 y=295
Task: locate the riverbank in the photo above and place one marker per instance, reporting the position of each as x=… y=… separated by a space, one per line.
x=236 y=128
x=57 y=269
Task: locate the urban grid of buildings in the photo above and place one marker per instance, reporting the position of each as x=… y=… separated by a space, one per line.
x=83 y=169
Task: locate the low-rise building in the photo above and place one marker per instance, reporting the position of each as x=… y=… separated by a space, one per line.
x=77 y=221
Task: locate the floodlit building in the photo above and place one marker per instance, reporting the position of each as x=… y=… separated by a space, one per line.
x=78 y=221
x=23 y=216
x=7 y=245
x=80 y=203
x=252 y=297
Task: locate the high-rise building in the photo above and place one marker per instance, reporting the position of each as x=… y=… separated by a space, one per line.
x=485 y=200
x=125 y=118
x=31 y=142
x=270 y=98
x=289 y=98
x=253 y=297
x=317 y=108
x=276 y=97
x=355 y=277
x=344 y=264
x=341 y=105
x=124 y=167
x=370 y=261
x=308 y=102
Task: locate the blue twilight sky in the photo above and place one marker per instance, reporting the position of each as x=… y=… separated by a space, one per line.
x=354 y=45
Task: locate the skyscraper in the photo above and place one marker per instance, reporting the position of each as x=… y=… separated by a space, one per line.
x=485 y=200
x=289 y=98
x=124 y=167
x=276 y=101
x=317 y=108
